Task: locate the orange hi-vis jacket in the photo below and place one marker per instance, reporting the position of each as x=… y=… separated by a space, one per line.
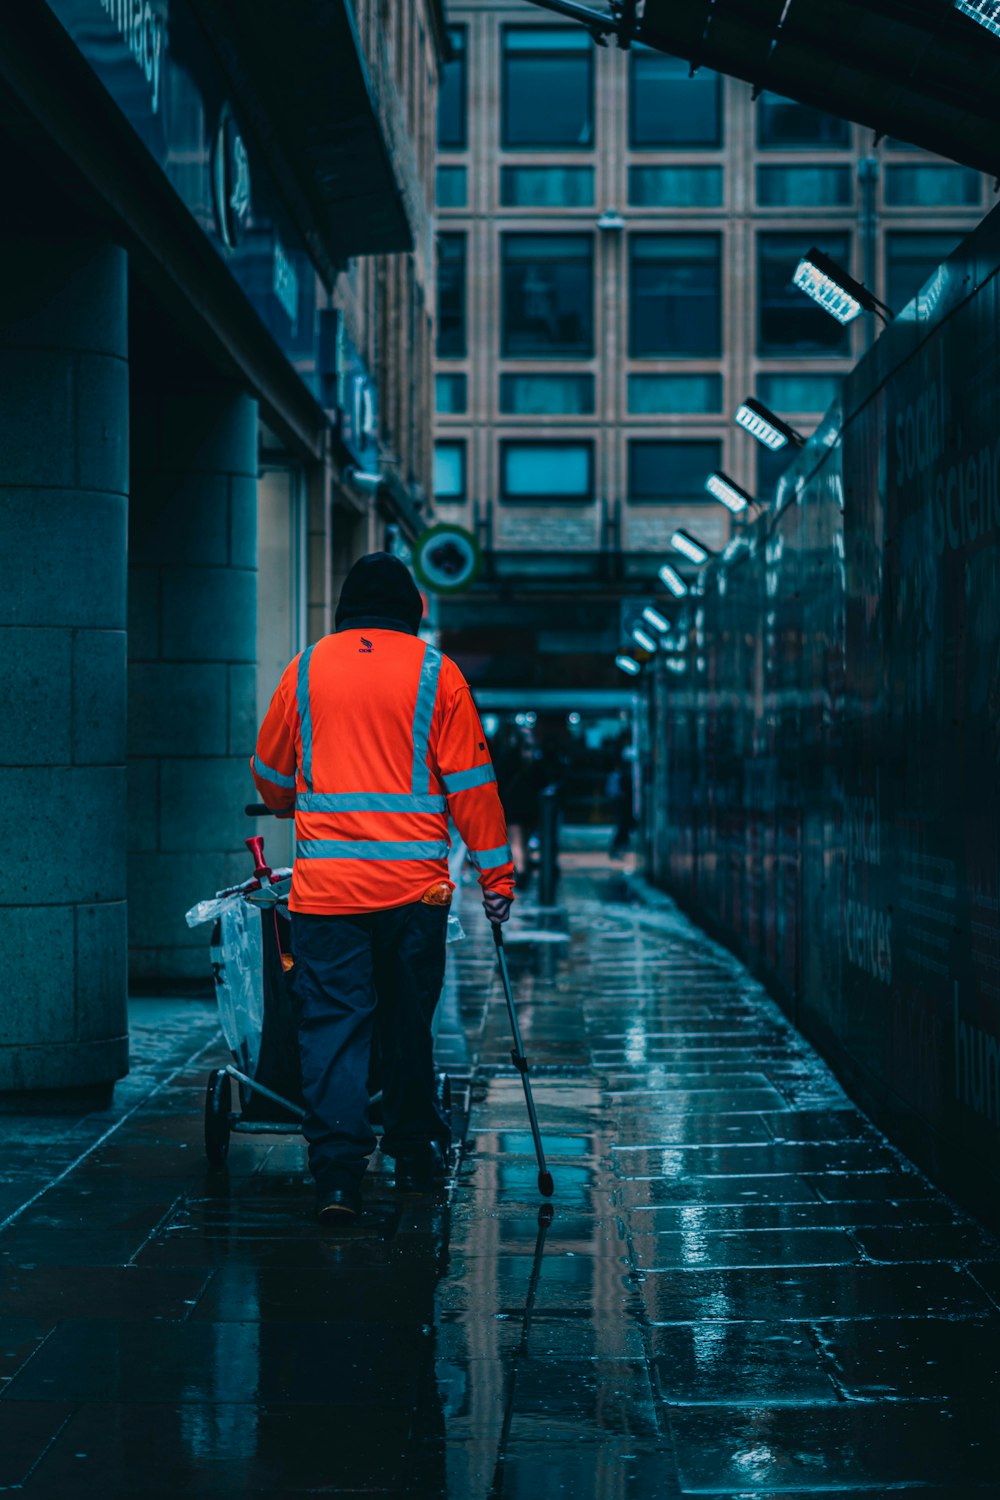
x=373 y=737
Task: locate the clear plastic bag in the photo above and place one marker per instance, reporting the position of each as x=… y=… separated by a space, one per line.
x=237 y=958
x=238 y=969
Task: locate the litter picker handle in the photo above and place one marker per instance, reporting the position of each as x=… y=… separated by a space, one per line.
x=259 y=810
x=517 y=1057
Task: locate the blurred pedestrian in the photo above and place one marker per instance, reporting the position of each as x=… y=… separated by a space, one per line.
x=618 y=790
x=518 y=782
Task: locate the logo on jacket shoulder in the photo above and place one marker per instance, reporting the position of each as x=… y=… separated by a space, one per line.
x=366 y=647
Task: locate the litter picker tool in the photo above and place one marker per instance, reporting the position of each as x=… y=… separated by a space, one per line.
x=545 y=1184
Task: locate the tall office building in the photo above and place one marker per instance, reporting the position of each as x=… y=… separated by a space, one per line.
x=616 y=246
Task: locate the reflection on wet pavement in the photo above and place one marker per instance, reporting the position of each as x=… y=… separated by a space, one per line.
x=740 y=1289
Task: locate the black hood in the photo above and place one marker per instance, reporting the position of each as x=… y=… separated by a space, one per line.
x=379 y=587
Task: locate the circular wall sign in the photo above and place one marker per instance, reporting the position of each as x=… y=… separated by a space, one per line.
x=230 y=180
x=446 y=558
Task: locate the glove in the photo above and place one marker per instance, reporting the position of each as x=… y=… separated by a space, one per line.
x=497 y=907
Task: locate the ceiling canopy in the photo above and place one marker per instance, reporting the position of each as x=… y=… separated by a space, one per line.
x=923 y=71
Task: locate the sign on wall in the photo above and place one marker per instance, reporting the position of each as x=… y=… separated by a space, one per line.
x=446 y=559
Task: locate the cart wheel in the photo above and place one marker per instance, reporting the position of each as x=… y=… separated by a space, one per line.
x=218 y=1103
x=444 y=1097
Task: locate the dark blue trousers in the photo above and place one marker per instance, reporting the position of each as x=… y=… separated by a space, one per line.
x=354 y=974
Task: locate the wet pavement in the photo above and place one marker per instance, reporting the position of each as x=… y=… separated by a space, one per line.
x=741 y=1289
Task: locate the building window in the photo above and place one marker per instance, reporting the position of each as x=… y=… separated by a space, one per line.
x=671 y=472
x=674 y=295
x=548 y=89
x=451 y=296
x=453 y=95
x=783 y=125
x=787 y=321
x=669 y=108
x=675 y=187
x=449 y=471
x=911 y=260
x=923 y=186
x=539 y=395
x=451 y=187
x=794 y=392
x=804 y=187
x=450 y=394
x=666 y=393
x=546 y=471
x=547 y=187
x=548 y=295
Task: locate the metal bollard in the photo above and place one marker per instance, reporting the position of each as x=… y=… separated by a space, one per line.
x=548 y=838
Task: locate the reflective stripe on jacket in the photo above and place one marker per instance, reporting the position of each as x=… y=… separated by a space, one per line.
x=374 y=737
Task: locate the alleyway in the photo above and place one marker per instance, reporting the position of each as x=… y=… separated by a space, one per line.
x=742 y=1291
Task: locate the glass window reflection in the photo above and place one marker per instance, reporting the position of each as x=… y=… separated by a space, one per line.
x=451 y=295
x=669 y=107
x=674 y=295
x=783 y=124
x=546 y=471
x=452 y=96
x=547 y=294
x=547 y=88
x=546 y=187
x=671 y=471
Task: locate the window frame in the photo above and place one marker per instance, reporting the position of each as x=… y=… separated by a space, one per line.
x=506 y=145
x=462 y=61
x=644 y=236
x=642 y=373
x=777 y=402
x=439 y=411
x=506 y=444
x=698 y=497
x=534 y=165
x=637 y=54
x=508 y=375
x=708 y=170
x=461 y=446
x=796 y=146
x=914 y=205
x=768 y=168
x=461 y=237
x=508 y=237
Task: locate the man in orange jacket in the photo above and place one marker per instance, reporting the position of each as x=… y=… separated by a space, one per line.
x=373 y=738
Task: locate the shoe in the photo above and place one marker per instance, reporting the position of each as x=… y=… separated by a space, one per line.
x=339 y=1206
x=423 y=1171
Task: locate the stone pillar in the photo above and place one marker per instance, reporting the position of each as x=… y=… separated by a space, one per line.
x=63 y=499
x=192 y=650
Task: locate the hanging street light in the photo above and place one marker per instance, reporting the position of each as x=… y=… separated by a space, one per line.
x=768 y=429
x=690 y=547
x=653 y=617
x=672 y=580
x=834 y=290
x=732 y=495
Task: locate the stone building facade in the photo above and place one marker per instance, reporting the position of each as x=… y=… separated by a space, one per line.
x=216 y=321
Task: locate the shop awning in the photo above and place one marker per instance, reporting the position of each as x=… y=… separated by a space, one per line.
x=332 y=125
